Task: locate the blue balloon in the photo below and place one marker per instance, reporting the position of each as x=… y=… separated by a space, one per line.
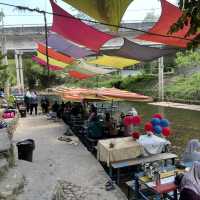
x=155 y=121
x=157 y=129
x=164 y=122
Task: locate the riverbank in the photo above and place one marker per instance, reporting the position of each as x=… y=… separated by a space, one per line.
x=57 y=162
x=177 y=105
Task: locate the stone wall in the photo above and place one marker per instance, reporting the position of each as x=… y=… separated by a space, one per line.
x=11 y=181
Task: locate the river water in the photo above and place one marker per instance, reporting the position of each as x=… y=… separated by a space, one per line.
x=184 y=124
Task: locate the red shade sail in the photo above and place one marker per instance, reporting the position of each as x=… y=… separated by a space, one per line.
x=54 y=54
x=170 y=14
x=78 y=75
x=77 y=31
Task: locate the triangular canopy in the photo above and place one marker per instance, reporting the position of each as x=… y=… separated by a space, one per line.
x=44 y=64
x=107 y=11
x=170 y=14
x=133 y=50
x=77 y=31
x=113 y=61
x=79 y=75
x=63 y=45
x=53 y=64
x=55 y=55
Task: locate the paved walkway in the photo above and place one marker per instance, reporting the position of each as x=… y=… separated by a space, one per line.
x=177 y=105
x=56 y=160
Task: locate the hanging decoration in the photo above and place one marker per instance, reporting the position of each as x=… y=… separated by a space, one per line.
x=75 y=30
x=79 y=75
x=170 y=14
x=55 y=55
x=113 y=62
x=135 y=51
x=65 y=46
x=52 y=61
x=44 y=64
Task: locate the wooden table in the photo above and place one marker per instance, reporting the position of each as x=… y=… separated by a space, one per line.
x=124 y=149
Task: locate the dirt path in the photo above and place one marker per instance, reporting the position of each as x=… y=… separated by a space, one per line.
x=56 y=160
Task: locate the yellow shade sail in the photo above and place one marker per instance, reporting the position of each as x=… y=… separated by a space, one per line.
x=107 y=11
x=51 y=60
x=113 y=62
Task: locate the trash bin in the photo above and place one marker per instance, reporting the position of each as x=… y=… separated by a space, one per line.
x=22 y=112
x=25 y=150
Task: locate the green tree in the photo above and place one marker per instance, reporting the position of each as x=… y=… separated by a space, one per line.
x=187 y=59
x=4 y=75
x=191 y=14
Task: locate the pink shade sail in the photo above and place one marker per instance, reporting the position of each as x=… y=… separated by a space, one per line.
x=170 y=14
x=77 y=31
x=44 y=64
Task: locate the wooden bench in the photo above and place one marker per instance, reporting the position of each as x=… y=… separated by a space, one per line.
x=138 y=161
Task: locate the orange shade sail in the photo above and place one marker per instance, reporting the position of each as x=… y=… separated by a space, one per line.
x=55 y=55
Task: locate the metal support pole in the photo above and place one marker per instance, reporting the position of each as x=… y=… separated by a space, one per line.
x=17 y=69
x=161 y=79
x=46 y=40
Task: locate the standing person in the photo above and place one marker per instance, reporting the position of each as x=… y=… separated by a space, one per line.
x=27 y=99
x=46 y=109
x=43 y=104
x=34 y=102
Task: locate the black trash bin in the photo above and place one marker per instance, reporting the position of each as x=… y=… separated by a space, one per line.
x=22 y=112
x=25 y=150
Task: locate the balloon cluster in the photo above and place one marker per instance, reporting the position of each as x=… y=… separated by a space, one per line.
x=135 y=121
x=158 y=125
x=132 y=120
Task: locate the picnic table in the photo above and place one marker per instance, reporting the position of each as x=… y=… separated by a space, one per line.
x=145 y=187
x=126 y=152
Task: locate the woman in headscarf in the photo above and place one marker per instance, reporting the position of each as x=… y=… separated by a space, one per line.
x=191 y=152
x=190 y=184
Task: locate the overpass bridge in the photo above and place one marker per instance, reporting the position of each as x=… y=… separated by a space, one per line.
x=26 y=36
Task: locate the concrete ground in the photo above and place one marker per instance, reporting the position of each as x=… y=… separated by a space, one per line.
x=57 y=160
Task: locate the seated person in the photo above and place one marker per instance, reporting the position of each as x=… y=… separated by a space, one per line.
x=95 y=129
x=189 y=183
x=110 y=126
x=121 y=127
x=191 y=152
x=92 y=113
x=54 y=111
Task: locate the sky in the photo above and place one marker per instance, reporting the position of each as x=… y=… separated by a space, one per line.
x=135 y=12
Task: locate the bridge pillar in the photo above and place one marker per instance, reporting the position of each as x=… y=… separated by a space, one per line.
x=19 y=71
